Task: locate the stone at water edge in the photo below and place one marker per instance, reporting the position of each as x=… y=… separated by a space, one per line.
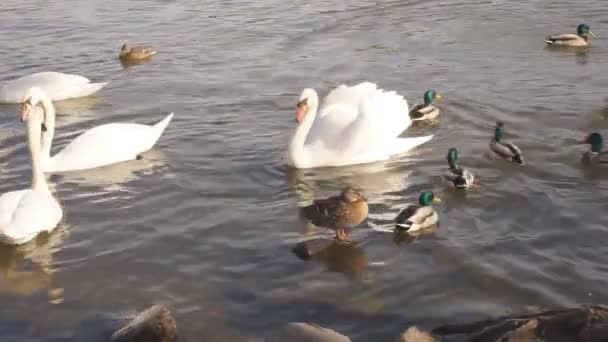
x=413 y=334
x=155 y=324
x=305 y=332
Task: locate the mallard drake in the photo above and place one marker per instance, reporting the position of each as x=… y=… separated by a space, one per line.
x=418 y=216
x=135 y=53
x=584 y=324
x=338 y=212
x=426 y=111
x=459 y=177
x=581 y=38
x=595 y=156
x=504 y=149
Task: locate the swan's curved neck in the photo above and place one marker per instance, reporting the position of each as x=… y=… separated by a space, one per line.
x=34 y=131
x=296 y=151
x=49 y=122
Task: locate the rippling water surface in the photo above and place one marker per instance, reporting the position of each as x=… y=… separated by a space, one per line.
x=205 y=223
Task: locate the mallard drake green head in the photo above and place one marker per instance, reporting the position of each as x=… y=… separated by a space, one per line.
x=498 y=131
x=428 y=197
x=415 y=217
x=583 y=30
x=596 y=141
x=452 y=158
x=338 y=212
x=429 y=96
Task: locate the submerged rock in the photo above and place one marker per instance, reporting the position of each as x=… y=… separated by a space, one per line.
x=155 y=324
x=585 y=324
x=305 y=332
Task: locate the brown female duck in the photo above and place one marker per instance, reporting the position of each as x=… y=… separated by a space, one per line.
x=135 y=53
x=338 y=212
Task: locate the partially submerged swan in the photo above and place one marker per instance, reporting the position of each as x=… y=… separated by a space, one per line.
x=58 y=86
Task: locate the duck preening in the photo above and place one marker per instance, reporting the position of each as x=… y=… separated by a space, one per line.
x=339 y=213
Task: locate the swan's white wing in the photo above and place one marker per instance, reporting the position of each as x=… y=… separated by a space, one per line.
x=384 y=116
x=58 y=86
x=107 y=144
x=339 y=109
x=344 y=95
x=8 y=202
x=34 y=212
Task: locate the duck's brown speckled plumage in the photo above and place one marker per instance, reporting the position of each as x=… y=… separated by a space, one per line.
x=337 y=212
x=135 y=53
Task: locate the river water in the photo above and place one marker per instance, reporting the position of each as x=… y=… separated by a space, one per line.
x=205 y=223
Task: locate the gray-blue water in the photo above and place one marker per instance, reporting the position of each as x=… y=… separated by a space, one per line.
x=206 y=221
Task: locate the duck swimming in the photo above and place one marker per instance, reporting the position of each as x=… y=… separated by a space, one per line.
x=504 y=149
x=135 y=53
x=426 y=111
x=595 y=155
x=338 y=212
x=581 y=38
x=459 y=177
x=418 y=216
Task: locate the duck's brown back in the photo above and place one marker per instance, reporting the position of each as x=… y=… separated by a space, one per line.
x=334 y=212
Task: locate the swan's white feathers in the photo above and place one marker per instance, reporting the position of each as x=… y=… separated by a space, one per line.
x=357 y=124
x=26 y=213
x=58 y=86
x=107 y=144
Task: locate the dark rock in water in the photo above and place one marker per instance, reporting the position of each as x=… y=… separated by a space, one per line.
x=305 y=332
x=586 y=324
x=155 y=324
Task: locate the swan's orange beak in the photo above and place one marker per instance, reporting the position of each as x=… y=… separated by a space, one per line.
x=26 y=108
x=301 y=110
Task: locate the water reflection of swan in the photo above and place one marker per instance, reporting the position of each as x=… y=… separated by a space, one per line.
x=28 y=268
x=381 y=179
x=114 y=177
x=346 y=258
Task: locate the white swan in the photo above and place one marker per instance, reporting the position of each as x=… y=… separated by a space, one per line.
x=357 y=124
x=99 y=146
x=56 y=85
x=25 y=213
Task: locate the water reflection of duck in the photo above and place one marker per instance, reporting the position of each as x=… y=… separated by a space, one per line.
x=346 y=258
x=585 y=324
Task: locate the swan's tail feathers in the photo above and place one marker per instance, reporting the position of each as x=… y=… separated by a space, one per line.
x=402 y=145
x=162 y=124
x=88 y=89
x=549 y=41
